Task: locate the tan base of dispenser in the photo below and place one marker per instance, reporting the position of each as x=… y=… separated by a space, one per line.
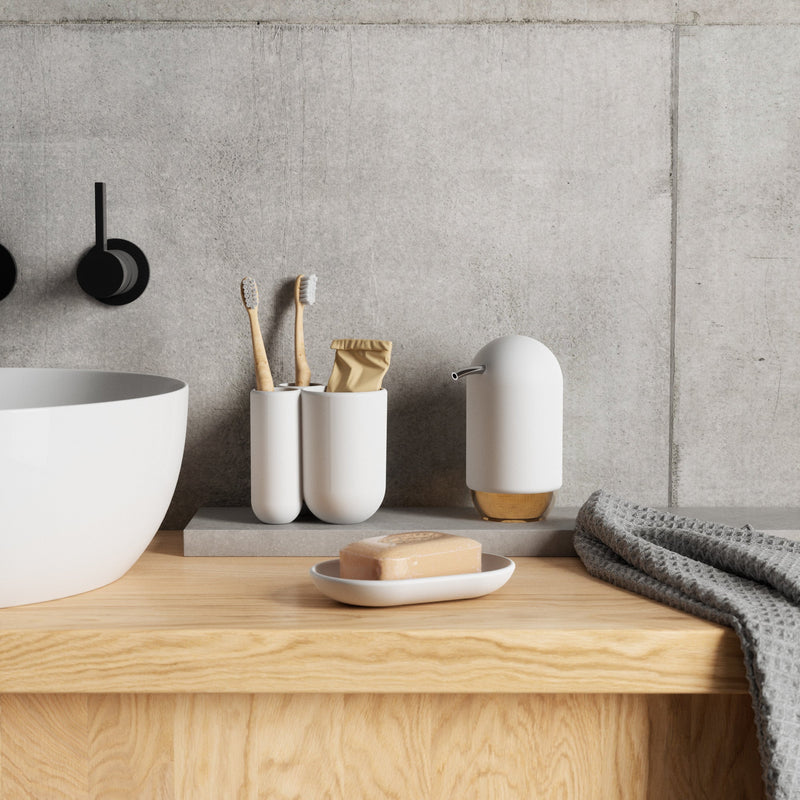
x=512 y=507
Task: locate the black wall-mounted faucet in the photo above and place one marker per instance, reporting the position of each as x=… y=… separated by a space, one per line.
x=114 y=271
x=8 y=272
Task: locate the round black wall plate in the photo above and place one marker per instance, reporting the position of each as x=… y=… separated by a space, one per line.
x=8 y=272
x=142 y=273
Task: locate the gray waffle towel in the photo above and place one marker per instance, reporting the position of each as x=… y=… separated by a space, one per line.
x=737 y=577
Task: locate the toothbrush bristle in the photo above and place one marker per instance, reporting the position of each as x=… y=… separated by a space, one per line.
x=308 y=290
x=249 y=293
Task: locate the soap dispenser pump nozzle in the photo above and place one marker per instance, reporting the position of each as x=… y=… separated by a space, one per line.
x=468 y=371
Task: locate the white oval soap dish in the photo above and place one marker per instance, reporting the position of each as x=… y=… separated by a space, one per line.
x=495 y=572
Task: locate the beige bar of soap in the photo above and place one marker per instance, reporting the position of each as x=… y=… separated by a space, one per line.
x=415 y=554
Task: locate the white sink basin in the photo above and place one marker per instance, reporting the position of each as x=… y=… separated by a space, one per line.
x=88 y=466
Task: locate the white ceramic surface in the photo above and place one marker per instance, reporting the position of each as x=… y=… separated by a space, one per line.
x=276 y=493
x=495 y=572
x=344 y=454
x=514 y=418
x=89 y=461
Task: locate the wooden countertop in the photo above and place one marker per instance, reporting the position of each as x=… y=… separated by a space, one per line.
x=235 y=624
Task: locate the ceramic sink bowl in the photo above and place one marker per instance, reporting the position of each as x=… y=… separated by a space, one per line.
x=89 y=461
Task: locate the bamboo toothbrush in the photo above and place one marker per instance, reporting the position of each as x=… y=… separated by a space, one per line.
x=250 y=299
x=305 y=294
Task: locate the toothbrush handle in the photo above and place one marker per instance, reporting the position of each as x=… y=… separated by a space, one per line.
x=302 y=372
x=263 y=375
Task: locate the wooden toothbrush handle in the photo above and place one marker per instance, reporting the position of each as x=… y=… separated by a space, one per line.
x=302 y=372
x=263 y=375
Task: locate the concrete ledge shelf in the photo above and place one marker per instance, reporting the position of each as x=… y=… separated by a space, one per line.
x=217 y=531
x=237 y=532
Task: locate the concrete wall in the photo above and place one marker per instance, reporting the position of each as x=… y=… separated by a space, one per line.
x=620 y=180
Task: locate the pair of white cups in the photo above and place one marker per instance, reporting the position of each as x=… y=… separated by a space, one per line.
x=327 y=448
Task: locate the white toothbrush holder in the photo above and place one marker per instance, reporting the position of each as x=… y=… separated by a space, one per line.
x=276 y=490
x=344 y=454
x=514 y=429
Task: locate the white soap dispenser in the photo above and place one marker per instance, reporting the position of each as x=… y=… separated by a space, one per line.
x=514 y=429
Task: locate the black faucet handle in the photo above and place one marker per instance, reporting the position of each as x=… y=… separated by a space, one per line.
x=114 y=271
x=8 y=272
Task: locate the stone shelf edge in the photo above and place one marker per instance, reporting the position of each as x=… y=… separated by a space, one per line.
x=235 y=531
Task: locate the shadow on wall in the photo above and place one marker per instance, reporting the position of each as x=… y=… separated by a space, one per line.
x=216 y=467
x=279 y=318
x=426 y=445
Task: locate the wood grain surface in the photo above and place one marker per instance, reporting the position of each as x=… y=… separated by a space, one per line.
x=208 y=625
x=351 y=746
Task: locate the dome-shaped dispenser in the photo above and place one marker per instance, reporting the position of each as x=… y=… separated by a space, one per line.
x=514 y=429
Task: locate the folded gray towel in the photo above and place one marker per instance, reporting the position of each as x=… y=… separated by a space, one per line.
x=737 y=577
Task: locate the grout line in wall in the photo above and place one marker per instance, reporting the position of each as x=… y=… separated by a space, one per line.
x=412 y=23
x=674 y=94
x=678 y=21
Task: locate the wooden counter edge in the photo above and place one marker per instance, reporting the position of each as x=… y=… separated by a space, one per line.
x=270 y=661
